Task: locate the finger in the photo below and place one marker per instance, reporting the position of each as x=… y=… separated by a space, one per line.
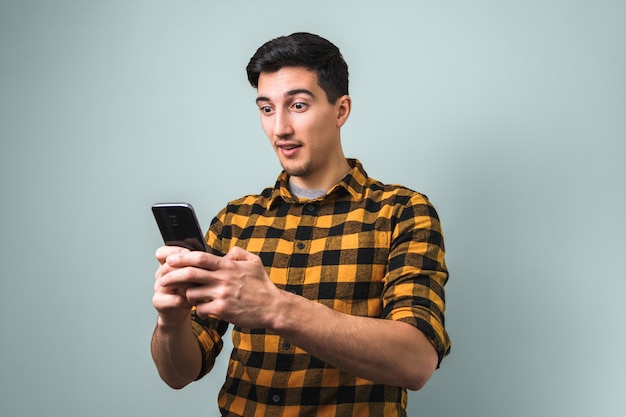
x=170 y=297
x=196 y=259
x=208 y=308
x=201 y=294
x=178 y=288
x=186 y=276
x=202 y=309
x=163 y=270
x=165 y=300
x=238 y=254
x=164 y=251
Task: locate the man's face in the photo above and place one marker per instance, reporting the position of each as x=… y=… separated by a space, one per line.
x=302 y=126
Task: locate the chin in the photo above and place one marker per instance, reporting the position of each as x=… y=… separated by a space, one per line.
x=294 y=170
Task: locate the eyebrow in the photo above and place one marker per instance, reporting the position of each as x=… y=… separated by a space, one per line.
x=289 y=93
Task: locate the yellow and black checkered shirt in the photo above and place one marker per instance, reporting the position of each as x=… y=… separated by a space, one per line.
x=364 y=248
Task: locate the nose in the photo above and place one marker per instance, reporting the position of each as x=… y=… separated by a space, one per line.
x=282 y=124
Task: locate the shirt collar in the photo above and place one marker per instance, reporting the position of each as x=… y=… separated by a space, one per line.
x=354 y=183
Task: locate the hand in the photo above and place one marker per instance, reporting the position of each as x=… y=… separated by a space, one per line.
x=170 y=302
x=235 y=287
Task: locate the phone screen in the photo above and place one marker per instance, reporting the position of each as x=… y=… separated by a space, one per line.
x=179 y=226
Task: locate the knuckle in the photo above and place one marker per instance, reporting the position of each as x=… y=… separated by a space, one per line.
x=218 y=308
x=188 y=273
x=192 y=296
x=159 y=272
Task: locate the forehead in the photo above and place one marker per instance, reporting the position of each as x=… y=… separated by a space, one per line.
x=278 y=83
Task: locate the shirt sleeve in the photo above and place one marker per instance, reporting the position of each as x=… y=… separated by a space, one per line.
x=214 y=236
x=209 y=331
x=209 y=334
x=414 y=284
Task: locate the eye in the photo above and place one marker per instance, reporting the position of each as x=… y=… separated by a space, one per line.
x=299 y=106
x=266 y=109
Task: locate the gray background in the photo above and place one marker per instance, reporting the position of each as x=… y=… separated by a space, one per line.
x=509 y=115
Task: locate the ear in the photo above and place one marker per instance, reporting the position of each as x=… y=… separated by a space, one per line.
x=343 y=105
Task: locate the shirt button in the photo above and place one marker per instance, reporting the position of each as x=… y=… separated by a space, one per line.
x=310 y=208
x=275 y=398
x=300 y=245
x=286 y=345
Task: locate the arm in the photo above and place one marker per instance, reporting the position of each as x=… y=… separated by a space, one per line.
x=384 y=351
x=237 y=289
x=389 y=350
x=174 y=347
x=176 y=354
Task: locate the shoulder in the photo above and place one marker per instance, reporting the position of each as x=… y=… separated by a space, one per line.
x=400 y=204
x=394 y=193
x=249 y=204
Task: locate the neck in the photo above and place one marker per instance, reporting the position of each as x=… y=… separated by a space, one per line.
x=304 y=192
x=324 y=180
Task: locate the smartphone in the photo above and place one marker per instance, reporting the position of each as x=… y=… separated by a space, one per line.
x=179 y=225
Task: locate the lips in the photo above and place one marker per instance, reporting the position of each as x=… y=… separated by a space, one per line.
x=288 y=149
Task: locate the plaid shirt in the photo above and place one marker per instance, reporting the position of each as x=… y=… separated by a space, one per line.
x=364 y=248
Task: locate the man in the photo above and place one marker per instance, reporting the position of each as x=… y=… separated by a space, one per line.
x=333 y=281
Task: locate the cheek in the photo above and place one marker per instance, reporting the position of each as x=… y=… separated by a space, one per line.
x=322 y=128
x=312 y=122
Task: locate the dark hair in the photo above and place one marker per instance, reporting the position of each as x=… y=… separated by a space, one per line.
x=303 y=50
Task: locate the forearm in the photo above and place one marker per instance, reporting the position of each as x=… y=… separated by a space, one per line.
x=384 y=351
x=176 y=354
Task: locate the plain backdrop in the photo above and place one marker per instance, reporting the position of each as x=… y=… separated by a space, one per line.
x=509 y=115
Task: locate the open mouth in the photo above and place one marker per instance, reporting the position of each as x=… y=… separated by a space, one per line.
x=288 y=149
x=288 y=145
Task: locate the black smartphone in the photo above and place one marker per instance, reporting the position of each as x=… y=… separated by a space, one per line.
x=179 y=225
